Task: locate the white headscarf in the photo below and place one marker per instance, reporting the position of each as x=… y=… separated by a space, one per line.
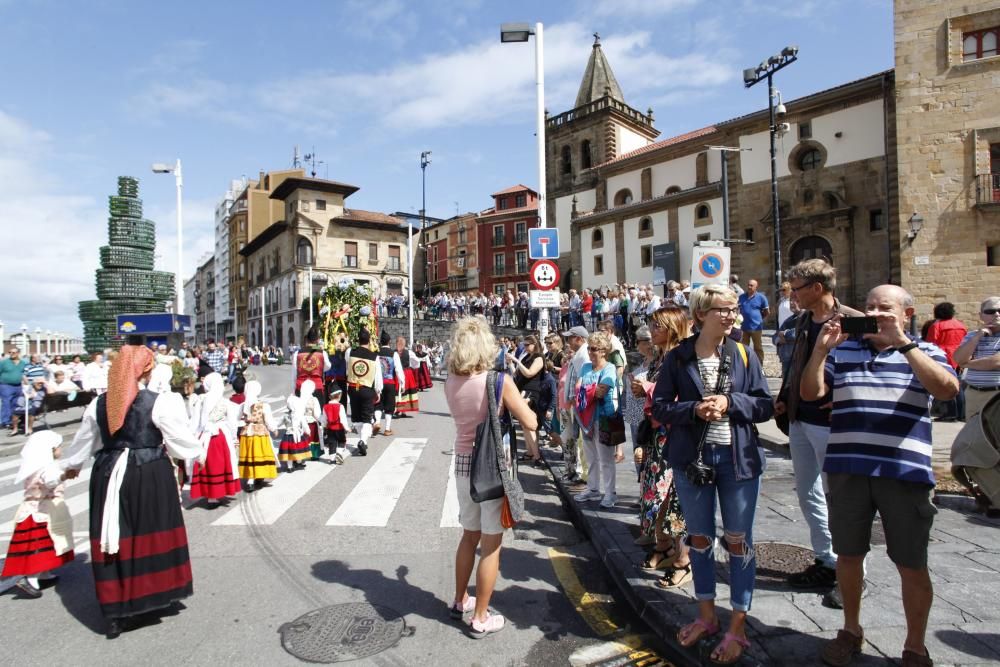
x=296 y=415
x=159 y=379
x=37 y=453
x=211 y=399
x=307 y=389
x=252 y=392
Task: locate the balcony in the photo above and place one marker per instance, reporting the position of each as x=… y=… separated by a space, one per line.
x=499 y=270
x=392 y=264
x=499 y=241
x=988 y=191
x=522 y=267
x=521 y=239
x=349 y=261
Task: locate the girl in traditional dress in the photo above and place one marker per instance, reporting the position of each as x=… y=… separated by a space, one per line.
x=256 y=449
x=313 y=413
x=43 y=528
x=336 y=426
x=216 y=427
x=134 y=510
x=294 y=448
x=420 y=361
x=409 y=398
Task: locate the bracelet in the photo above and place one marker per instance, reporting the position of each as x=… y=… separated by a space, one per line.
x=903 y=349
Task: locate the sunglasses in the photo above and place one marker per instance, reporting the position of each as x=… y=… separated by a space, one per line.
x=803 y=286
x=990 y=311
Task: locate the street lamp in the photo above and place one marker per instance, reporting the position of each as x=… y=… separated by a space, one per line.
x=725 y=151
x=424 y=161
x=521 y=32
x=160 y=168
x=751 y=77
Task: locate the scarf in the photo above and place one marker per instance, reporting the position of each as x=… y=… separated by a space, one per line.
x=132 y=362
x=586 y=405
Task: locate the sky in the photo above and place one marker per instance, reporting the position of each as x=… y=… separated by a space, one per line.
x=94 y=90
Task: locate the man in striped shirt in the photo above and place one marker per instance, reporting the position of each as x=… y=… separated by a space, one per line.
x=979 y=353
x=879 y=458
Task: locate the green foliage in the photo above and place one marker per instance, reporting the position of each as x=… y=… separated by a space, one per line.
x=335 y=297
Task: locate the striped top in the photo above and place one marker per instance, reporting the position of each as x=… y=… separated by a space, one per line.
x=986 y=347
x=880 y=424
x=718 y=431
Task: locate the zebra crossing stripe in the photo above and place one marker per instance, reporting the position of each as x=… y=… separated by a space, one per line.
x=449 y=513
x=16 y=463
x=373 y=499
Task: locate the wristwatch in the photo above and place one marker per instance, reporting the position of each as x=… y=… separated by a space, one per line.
x=903 y=349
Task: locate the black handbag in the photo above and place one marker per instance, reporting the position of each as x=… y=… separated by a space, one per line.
x=485 y=481
x=644 y=433
x=698 y=472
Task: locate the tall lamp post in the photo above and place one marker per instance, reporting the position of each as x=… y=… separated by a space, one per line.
x=424 y=161
x=160 y=168
x=522 y=32
x=751 y=77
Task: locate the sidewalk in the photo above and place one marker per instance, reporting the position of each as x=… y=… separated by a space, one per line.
x=787 y=627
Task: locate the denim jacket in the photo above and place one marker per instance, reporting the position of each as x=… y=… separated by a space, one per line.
x=679 y=388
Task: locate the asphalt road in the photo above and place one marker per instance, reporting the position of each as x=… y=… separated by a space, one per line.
x=379 y=530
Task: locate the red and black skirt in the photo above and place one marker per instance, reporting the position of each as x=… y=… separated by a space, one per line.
x=152 y=568
x=423 y=374
x=215 y=479
x=31 y=551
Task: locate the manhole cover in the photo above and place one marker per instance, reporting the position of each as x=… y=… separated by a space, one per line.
x=342 y=632
x=776 y=560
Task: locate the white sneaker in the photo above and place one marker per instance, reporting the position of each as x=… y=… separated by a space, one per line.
x=584 y=496
x=609 y=501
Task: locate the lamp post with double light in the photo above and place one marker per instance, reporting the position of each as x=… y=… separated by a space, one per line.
x=160 y=168
x=751 y=77
x=522 y=32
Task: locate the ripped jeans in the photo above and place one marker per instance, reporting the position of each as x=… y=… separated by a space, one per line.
x=738 y=502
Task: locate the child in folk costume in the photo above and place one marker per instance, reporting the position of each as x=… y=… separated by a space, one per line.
x=256 y=460
x=43 y=528
x=216 y=428
x=336 y=426
x=294 y=448
x=313 y=414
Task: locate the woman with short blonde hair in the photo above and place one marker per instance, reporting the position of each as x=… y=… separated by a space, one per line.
x=473 y=353
x=704 y=299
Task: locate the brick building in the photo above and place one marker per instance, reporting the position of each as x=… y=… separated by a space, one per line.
x=502 y=241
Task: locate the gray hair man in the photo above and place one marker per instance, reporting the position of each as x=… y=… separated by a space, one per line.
x=980 y=354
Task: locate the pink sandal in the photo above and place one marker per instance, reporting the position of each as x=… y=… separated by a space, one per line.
x=723 y=647
x=686 y=636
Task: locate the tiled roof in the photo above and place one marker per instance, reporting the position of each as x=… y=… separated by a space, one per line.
x=532 y=206
x=661 y=144
x=514 y=188
x=357 y=215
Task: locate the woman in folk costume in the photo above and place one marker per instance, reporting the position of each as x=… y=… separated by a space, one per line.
x=313 y=413
x=420 y=361
x=138 y=543
x=294 y=448
x=256 y=449
x=393 y=380
x=409 y=397
x=43 y=527
x=216 y=427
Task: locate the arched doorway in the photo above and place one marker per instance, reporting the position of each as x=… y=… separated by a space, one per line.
x=811 y=247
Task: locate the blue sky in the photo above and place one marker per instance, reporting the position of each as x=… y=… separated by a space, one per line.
x=104 y=88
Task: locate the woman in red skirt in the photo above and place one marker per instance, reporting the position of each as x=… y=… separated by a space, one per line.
x=409 y=397
x=215 y=478
x=43 y=528
x=421 y=362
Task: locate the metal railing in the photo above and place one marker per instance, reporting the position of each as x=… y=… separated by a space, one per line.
x=520 y=238
x=499 y=240
x=988 y=190
x=349 y=260
x=392 y=264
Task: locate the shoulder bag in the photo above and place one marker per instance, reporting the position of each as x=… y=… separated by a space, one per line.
x=612 y=427
x=485 y=481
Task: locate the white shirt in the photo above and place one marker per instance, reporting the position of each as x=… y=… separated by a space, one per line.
x=95 y=377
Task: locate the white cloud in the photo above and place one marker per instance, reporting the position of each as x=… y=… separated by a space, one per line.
x=199 y=97
x=645 y=8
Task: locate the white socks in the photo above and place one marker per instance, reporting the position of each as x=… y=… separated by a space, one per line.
x=388 y=422
x=366 y=432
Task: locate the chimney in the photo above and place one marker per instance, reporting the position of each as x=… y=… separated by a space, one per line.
x=260 y=183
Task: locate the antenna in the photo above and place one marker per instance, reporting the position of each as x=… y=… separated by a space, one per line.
x=296 y=162
x=311 y=159
x=456 y=208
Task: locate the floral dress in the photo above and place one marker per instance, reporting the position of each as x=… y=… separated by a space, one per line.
x=659 y=507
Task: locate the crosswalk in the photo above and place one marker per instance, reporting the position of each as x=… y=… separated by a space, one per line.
x=371 y=501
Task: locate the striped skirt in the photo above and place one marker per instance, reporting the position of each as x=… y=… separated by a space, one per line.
x=292 y=450
x=31 y=550
x=257 y=457
x=152 y=568
x=215 y=479
x=423 y=377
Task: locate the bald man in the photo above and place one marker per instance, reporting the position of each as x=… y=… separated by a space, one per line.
x=879 y=457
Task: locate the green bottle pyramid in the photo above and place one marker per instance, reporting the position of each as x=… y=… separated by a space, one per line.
x=126 y=281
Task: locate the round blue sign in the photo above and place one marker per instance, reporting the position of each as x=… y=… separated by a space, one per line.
x=711 y=265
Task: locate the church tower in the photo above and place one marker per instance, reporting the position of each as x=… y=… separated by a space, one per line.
x=600 y=127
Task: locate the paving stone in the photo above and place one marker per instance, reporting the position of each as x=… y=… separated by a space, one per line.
x=947 y=644
x=953 y=567
x=774 y=614
x=985 y=633
x=804 y=649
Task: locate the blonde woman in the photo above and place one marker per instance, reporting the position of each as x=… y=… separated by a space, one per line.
x=473 y=353
x=596 y=398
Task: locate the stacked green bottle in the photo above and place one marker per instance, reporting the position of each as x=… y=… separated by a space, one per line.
x=126 y=281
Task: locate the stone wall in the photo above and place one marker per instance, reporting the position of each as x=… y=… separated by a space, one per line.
x=434 y=330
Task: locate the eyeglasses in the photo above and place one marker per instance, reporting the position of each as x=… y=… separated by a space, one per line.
x=990 y=311
x=726 y=312
x=803 y=286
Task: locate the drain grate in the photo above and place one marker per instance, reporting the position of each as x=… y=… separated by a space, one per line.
x=342 y=632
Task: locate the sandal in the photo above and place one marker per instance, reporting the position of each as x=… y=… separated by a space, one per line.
x=524 y=457
x=694 y=632
x=667 y=558
x=723 y=647
x=675 y=576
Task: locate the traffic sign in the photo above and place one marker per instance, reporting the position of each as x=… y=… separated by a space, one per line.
x=544 y=274
x=543 y=243
x=709 y=264
x=544 y=298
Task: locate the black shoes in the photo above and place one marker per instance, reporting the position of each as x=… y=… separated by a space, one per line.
x=817 y=575
x=25 y=587
x=362 y=449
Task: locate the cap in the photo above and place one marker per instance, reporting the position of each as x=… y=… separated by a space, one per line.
x=576 y=331
x=642 y=333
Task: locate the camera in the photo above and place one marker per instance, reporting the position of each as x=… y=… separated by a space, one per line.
x=858 y=326
x=699 y=474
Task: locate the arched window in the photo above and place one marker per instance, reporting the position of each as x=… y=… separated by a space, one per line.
x=811 y=247
x=597 y=238
x=703 y=212
x=586 y=159
x=623 y=197
x=673 y=189
x=291 y=298
x=646 y=225
x=567 y=160
x=810 y=159
x=304 y=252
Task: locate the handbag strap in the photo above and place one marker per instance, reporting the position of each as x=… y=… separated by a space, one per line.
x=720 y=386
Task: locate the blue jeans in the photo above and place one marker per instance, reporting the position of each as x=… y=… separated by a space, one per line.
x=738 y=502
x=8 y=392
x=807 y=443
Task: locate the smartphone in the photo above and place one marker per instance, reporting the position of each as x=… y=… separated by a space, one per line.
x=857 y=326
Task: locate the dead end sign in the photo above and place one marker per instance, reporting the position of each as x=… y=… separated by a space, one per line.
x=544 y=274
